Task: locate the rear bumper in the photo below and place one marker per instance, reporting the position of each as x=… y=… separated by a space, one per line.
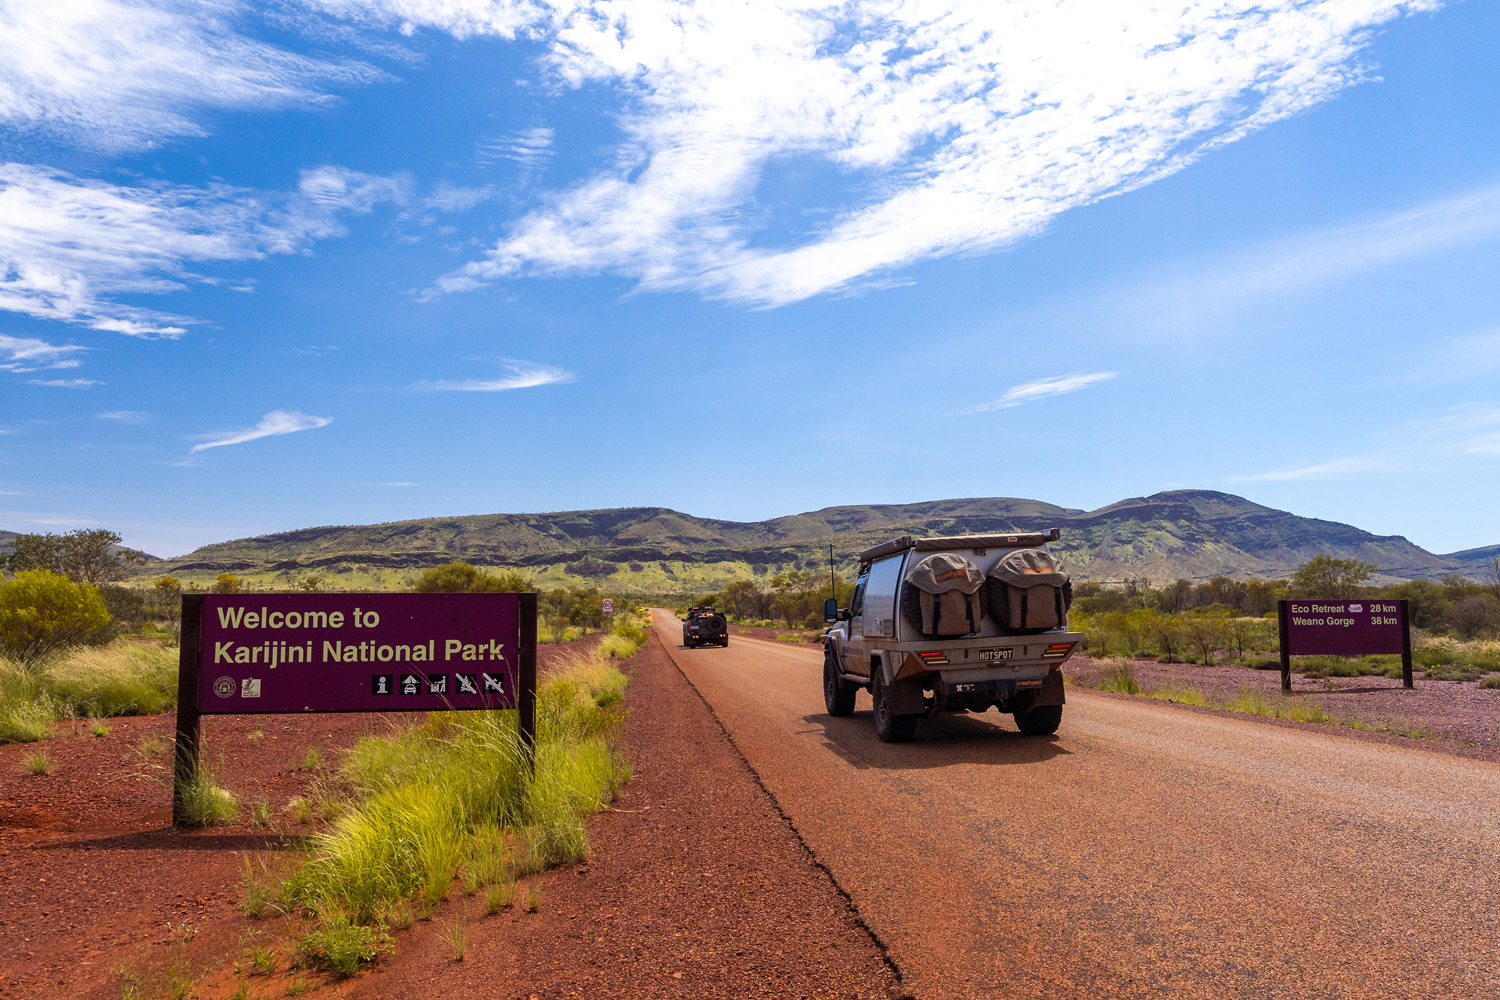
x=986 y=657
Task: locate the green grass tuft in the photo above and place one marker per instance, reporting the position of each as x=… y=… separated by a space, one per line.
x=1183 y=695
x=457 y=936
x=204 y=802
x=500 y=896
x=341 y=946
x=1119 y=676
x=37 y=764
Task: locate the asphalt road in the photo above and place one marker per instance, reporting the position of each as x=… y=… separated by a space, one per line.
x=1145 y=850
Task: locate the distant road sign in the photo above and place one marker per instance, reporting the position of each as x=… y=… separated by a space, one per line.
x=609 y=606
x=1343 y=628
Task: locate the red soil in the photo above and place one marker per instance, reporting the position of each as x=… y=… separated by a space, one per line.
x=696 y=887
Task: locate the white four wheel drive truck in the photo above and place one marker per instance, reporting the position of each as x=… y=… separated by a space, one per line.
x=957 y=624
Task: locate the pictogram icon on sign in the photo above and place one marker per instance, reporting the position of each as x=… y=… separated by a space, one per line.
x=437 y=683
x=467 y=683
x=383 y=684
x=224 y=687
x=250 y=687
x=494 y=683
x=411 y=684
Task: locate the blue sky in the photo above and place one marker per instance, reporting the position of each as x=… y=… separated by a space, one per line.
x=341 y=261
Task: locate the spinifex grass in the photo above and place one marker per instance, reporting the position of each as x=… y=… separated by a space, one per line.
x=1181 y=694
x=454 y=793
x=1255 y=703
x=204 y=802
x=1449 y=659
x=1119 y=676
x=123 y=678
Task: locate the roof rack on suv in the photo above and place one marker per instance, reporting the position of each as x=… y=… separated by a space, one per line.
x=1019 y=540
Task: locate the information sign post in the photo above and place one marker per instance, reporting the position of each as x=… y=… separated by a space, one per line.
x=246 y=654
x=1343 y=628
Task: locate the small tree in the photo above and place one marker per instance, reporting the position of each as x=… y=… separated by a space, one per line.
x=1176 y=597
x=1166 y=630
x=42 y=612
x=1206 y=630
x=89 y=555
x=168 y=597
x=228 y=583
x=1261 y=596
x=1247 y=633
x=458 y=577
x=311 y=584
x=1476 y=616
x=1334 y=579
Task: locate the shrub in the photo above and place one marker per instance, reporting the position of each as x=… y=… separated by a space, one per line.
x=42 y=612
x=37 y=764
x=1120 y=677
x=342 y=946
x=458 y=577
x=1492 y=682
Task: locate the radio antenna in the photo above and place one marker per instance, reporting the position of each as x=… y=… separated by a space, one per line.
x=833 y=590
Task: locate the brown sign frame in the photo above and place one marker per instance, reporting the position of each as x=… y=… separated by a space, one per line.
x=1285 y=627
x=188 y=751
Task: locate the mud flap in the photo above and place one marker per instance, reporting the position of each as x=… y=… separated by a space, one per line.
x=906 y=694
x=1051 y=692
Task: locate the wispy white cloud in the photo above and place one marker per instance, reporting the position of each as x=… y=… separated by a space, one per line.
x=125 y=416
x=1042 y=388
x=113 y=74
x=1427 y=443
x=452 y=198
x=959 y=127
x=520 y=375
x=70 y=247
x=530 y=148
x=65 y=383
x=1332 y=254
x=28 y=354
x=273 y=423
x=1354 y=467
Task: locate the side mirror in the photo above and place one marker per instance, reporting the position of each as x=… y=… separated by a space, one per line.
x=830 y=610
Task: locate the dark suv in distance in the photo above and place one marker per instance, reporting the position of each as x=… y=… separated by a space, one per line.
x=704 y=626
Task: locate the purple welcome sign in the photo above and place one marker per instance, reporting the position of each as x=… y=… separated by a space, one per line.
x=358 y=652
x=284 y=653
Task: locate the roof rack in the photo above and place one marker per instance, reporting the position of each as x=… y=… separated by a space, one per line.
x=1019 y=540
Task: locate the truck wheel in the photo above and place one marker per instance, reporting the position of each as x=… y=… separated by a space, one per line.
x=890 y=727
x=838 y=697
x=725 y=641
x=1040 y=721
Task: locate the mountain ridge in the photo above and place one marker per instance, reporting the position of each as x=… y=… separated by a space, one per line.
x=1192 y=534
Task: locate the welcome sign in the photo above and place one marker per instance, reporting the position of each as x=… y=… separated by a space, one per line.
x=246 y=654
x=358 y=652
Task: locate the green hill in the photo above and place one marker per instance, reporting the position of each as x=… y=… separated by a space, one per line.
x=1193 y=534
